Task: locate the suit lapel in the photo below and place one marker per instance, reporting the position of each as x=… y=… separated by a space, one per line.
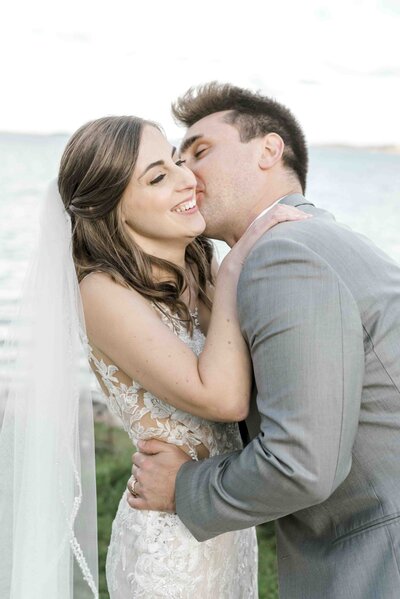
x=251 y=426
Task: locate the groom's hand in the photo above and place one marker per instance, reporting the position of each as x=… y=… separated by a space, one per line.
x=155 y=467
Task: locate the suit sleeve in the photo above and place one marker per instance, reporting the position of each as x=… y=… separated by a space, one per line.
x=304 y=332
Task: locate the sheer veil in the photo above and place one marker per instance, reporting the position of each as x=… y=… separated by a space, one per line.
x=48 y=516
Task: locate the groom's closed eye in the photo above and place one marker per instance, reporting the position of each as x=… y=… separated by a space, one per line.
x=189 y=143
x=199 y=152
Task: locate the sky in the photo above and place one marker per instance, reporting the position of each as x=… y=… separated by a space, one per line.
x=335 y=63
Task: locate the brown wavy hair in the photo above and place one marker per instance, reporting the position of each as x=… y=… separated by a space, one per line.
x=253 y=114
x=95 y=169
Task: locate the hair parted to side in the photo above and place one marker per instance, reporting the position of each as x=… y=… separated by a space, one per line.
x=253 y=114
x=95 y=169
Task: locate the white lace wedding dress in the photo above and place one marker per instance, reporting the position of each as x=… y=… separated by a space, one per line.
x=152 y=554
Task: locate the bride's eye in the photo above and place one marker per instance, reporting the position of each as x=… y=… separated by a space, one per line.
x=157 y=179
x=180 y=162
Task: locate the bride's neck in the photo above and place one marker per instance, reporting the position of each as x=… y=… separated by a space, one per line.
x=175 y=256
x=173 y=251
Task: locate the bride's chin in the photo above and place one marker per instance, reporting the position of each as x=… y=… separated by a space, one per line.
x=197 y=229
x=202 y=224
x=192 y=235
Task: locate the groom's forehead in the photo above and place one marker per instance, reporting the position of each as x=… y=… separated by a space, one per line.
x=211 y=125
x=211 y=122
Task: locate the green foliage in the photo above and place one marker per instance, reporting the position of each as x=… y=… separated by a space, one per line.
x=267 y=572
x=113 y=468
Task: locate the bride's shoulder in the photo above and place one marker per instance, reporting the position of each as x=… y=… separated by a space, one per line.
x=100 y=288
x=95 y=277
x=112 y=310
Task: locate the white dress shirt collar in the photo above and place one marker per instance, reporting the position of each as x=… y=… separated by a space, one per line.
x=268 y=209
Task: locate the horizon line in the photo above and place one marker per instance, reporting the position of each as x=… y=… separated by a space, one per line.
x=387 y=146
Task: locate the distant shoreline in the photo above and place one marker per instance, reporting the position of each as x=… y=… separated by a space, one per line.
x=384 y=148
x=19 y=134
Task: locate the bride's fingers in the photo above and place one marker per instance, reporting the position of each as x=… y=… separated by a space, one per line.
x=153 y=446
x=293 y=214
x=278 y=214
x=275 y=220
x=282 y=213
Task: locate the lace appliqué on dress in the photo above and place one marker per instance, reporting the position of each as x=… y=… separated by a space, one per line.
x=152 y=554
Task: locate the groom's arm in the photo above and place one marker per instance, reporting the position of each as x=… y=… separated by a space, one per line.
x=305 y=336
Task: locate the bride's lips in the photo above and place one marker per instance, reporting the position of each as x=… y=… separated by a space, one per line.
x=179 y=208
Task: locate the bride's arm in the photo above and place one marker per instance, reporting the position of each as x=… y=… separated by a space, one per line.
x=122 y=324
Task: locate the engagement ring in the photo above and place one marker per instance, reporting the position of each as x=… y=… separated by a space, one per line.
x=131 y=486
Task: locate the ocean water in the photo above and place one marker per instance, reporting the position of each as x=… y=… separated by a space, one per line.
x=361 y=187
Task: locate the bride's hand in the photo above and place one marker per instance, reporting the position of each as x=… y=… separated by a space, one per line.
x=278 y=214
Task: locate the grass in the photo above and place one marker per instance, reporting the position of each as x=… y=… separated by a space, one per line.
x=113 y=468
x=267 y=572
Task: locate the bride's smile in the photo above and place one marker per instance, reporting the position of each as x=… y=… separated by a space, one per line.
x=161 y=190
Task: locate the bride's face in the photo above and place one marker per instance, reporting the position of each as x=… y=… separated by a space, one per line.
x=159 y=204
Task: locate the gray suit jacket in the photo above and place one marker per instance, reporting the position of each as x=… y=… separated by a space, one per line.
x=319 y=306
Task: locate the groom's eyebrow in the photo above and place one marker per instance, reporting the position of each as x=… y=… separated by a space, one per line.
x=157 y=163
x=189 y=142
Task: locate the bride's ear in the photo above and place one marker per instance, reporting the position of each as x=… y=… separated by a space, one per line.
x=271 y=150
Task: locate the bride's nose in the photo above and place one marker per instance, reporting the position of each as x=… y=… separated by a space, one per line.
x=186 y=181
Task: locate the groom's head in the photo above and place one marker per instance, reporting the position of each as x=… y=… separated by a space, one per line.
x=245 y=149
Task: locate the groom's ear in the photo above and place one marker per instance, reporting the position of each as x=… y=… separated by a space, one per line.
x=272 y=147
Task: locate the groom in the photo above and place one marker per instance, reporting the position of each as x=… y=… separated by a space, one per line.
x=319 y=306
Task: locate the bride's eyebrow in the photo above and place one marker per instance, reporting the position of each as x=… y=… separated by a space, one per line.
x=156 y=163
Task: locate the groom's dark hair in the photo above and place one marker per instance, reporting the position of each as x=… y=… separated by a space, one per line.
x=254 y=115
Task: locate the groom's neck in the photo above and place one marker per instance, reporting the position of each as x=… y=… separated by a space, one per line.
x=245 y=218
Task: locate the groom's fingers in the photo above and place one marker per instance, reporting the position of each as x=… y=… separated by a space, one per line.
x=138 y=459
x=137 y=503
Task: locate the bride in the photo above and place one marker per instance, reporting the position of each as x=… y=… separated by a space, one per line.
x=131 y=231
